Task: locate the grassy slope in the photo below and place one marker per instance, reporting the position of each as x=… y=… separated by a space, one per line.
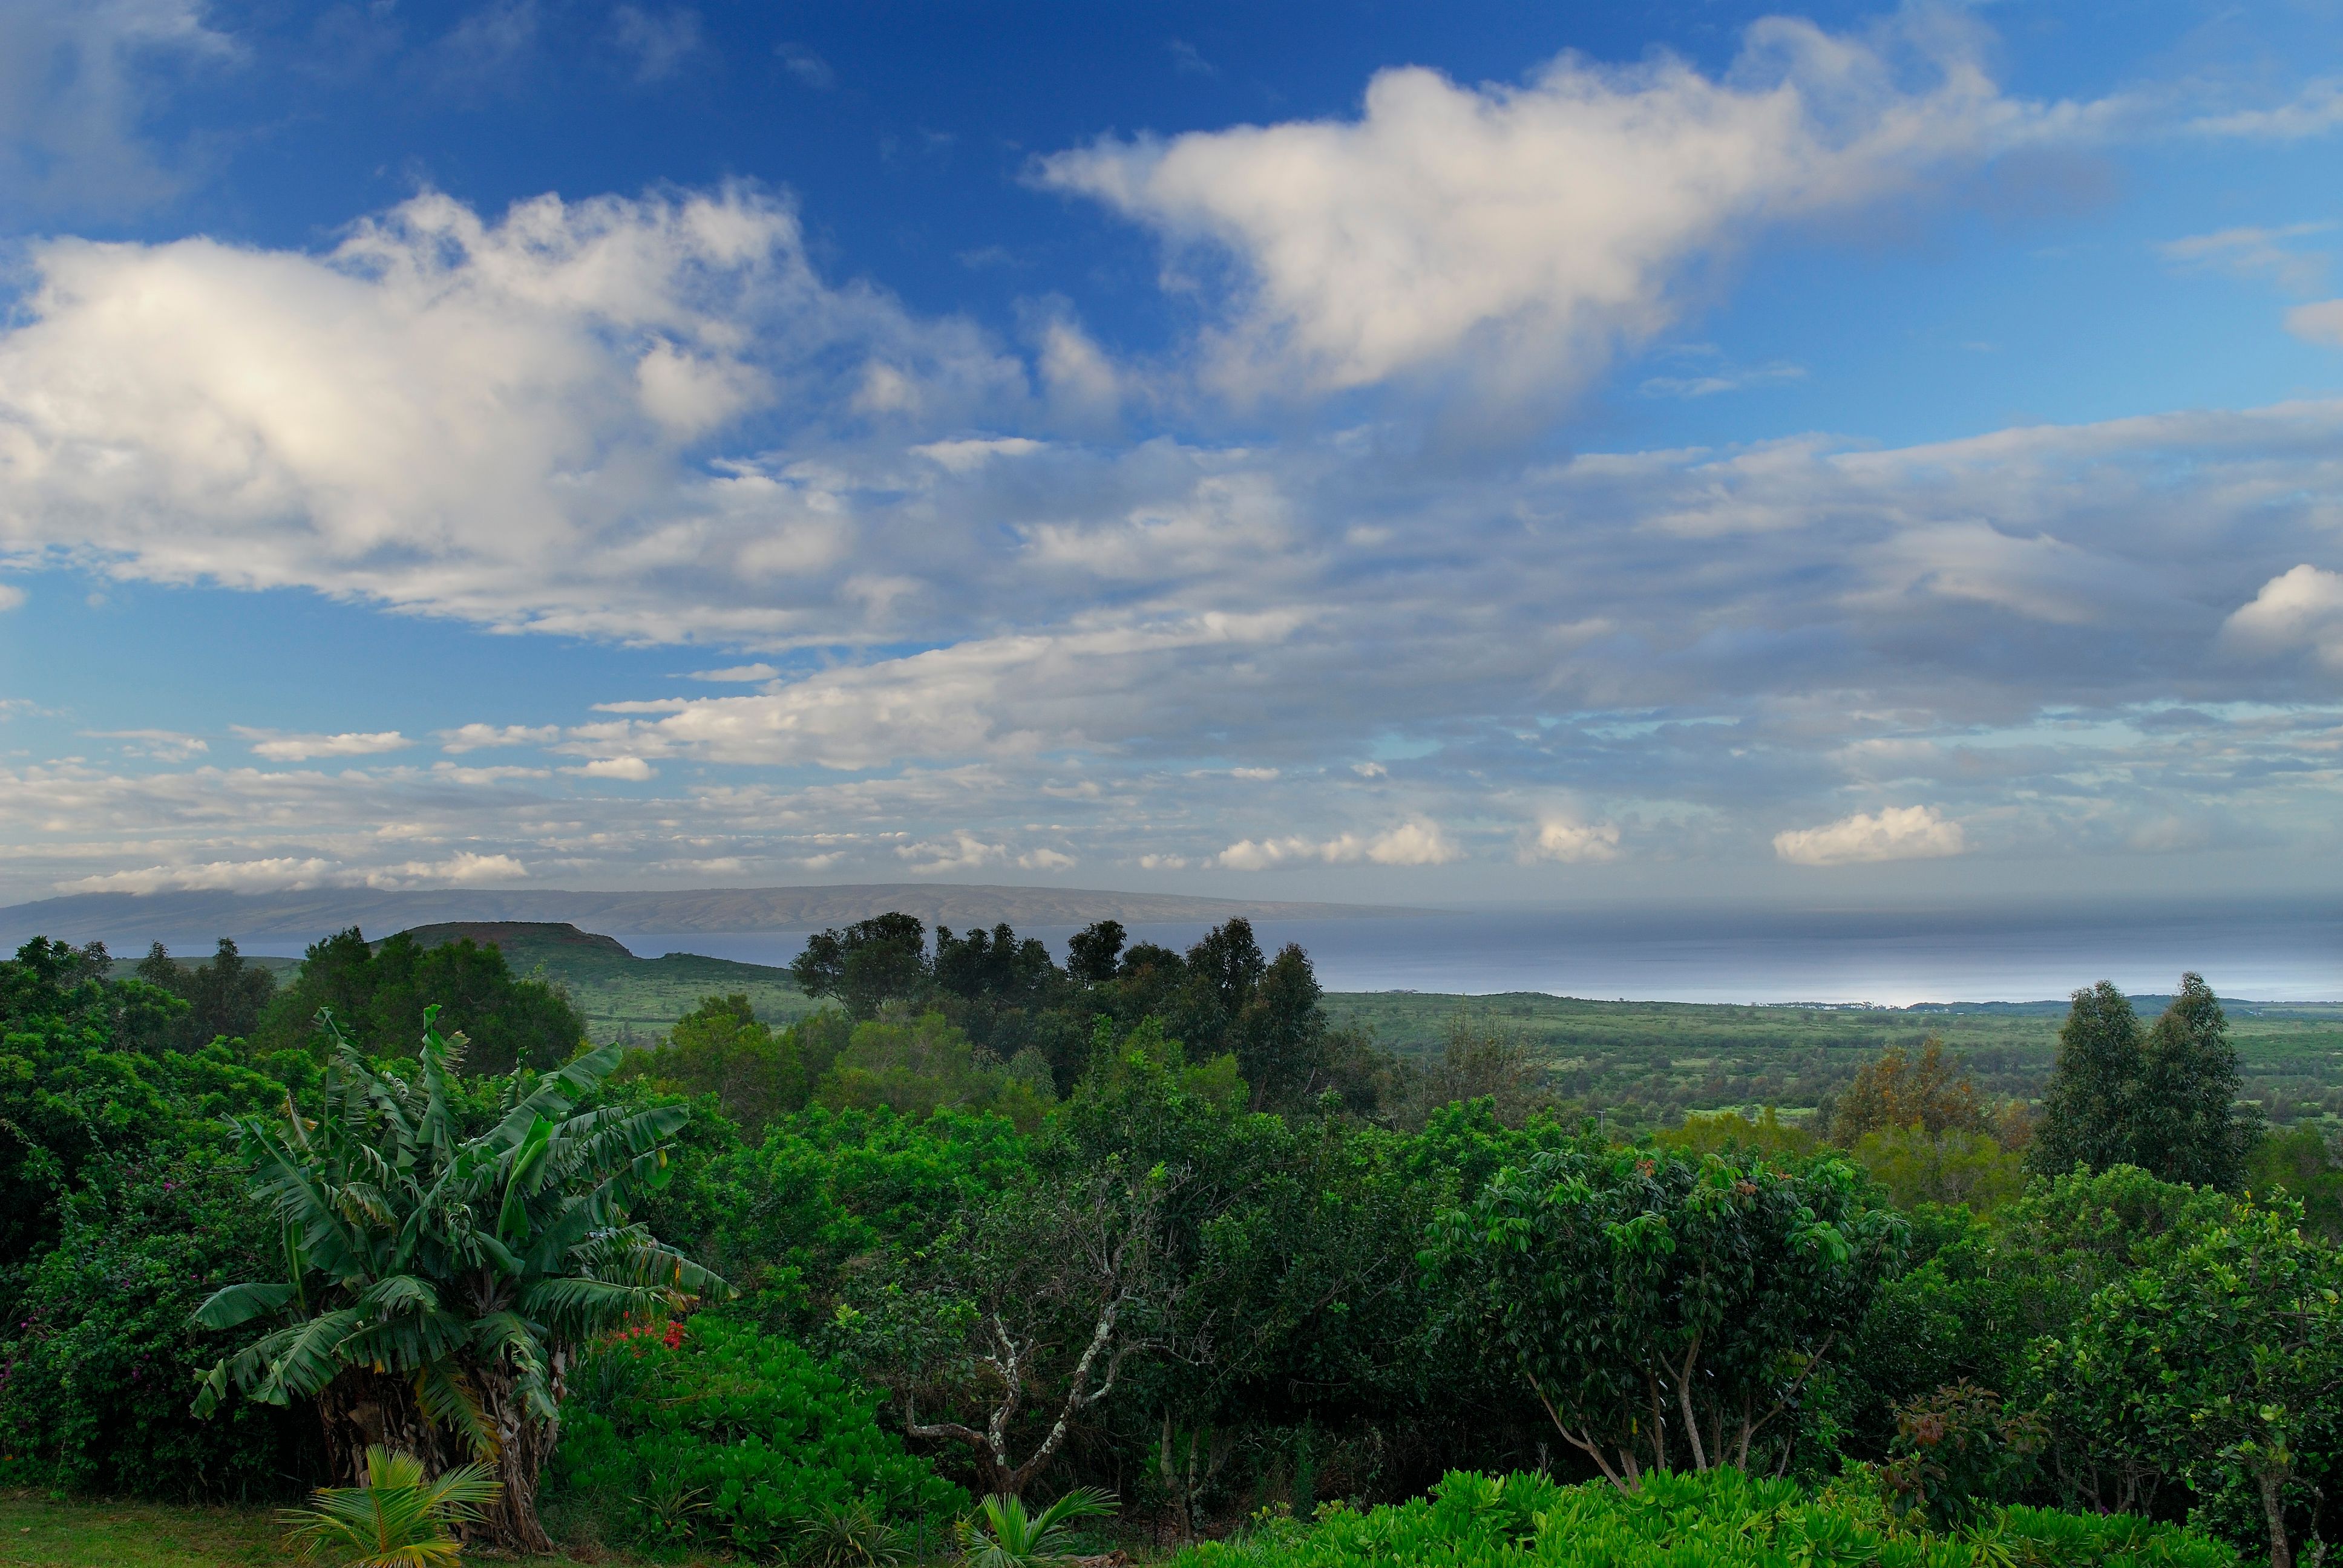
x=620 y=994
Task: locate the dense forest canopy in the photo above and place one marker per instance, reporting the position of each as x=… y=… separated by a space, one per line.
x=990 y=1221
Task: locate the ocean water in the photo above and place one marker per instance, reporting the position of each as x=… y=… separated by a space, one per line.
x=2256 y=952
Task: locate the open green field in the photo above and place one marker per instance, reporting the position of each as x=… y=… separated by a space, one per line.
x=1670 y=1057
x=1656 y=1058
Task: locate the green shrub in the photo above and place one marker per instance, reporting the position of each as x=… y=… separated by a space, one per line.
x=726 y=1436
x=99 y=1362
x=1721 y=1519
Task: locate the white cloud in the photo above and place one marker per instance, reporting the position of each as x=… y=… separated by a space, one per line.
x=516 y=406
x=162 y=745
x=961 y=456
x=11 y=597
x=1571 y=841
x=2302 y=607
x=2253 y=253
x=2315 y=111
x=660 y=41
x=632 y=769
x=1530 y=229
x=737 y=674
x=1894 y=833
x=467 y=869
x=276 y=747
x=280 y=874
x=2318 y=322
x=479 y=737
x=1411 y=843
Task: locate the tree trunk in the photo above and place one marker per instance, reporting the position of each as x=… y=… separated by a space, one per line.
x=524 y=1442
x=362 y=1409
x=2274 y=1507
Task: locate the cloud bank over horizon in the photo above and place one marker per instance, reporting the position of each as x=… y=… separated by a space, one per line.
x=1337 y=583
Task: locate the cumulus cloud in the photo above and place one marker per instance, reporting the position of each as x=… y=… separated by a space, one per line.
x=276 y=747
x=1530 y=229
x=498 y=419
x=479 y=737
x=633 y=769
x=1411 y=843
x=1569 y=841
x=1894 y=833
x=11 y=597
x=2299 y=608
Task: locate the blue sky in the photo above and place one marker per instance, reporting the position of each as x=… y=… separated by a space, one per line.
x=1460 y=453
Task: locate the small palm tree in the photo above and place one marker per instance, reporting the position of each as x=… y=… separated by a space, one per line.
x=1001 y=1534
x=850 y=1535
x=395 y=1519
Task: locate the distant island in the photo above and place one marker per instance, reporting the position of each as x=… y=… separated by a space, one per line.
x=134 y=919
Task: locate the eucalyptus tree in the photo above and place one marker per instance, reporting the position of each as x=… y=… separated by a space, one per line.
x=438 y=1284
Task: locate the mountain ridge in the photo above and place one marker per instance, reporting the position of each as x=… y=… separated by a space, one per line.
x=181 y=916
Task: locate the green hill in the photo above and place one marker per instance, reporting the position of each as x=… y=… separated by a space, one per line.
x=622 y=996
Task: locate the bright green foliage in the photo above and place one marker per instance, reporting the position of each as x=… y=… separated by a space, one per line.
x=828 y=1186
x=1982 y=1290
x=2221 y=1363
x=463 y=1264
x=733 y=1438
x=1722 y=1131
x=378 y=997
x=1002 y=1534
x=1667 y=1310
x=919 y=1066
x=852 y=1534
x=101 y=1348
x=720 y=1048
x=1724 y=1518
x=396 y=1518
x=2302 y=1161
x=1918 y=1166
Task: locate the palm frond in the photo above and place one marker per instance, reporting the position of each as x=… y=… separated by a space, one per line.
x=233 y=1304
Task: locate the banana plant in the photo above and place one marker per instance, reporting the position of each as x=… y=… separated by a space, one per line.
x=437 y=1285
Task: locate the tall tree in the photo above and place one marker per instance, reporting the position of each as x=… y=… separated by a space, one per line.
x=227 y=996
x=867 y=964
x=2187 y=1126
x=1895 y=1091
x=1094 y=952
x=2163 y=1100
x=2087 y=1114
